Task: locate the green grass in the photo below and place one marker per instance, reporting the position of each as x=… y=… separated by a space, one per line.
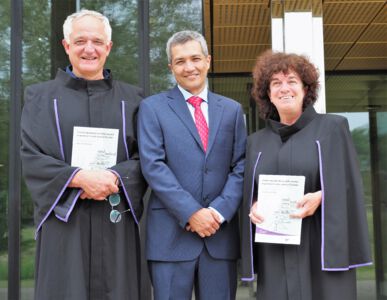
x=365 y=273
x=3 y=267
x=368 y=273
x=27 y=245
x=30 y=283
x=27 y=253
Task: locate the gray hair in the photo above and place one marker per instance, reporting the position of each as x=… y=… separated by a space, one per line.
x=68 y=23
x=183 y=37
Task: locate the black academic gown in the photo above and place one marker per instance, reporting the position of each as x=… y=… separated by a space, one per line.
x=334 y=240
x=80 y=253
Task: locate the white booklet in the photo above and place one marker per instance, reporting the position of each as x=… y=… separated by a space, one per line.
x=94 y=148
x=277 y=199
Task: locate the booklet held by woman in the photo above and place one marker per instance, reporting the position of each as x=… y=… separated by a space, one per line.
x=277 y=200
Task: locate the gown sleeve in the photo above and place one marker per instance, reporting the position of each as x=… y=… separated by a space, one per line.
x=344 y=240
x=46 y=173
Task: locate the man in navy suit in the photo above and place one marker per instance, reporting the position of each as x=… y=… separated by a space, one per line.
x=192 y=155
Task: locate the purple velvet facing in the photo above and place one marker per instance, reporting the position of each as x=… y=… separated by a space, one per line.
x=323 y=268
x=124 y=129
x=58 y=129
x=126 y=195
x=251 y=233
x=55 y=202
x=66 y=218
x=322 y=205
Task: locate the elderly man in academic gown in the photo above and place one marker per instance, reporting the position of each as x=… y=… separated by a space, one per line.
x=86 y=209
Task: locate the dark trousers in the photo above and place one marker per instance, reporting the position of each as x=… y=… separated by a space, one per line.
x=212 y=279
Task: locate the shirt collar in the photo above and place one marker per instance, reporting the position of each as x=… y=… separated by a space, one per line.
x=69 y=70
x=203 y=94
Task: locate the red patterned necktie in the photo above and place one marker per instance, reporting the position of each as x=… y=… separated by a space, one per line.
x=200 y=121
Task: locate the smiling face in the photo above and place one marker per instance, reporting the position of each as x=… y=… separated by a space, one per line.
x=287 y=95
x=88 y=48
x=190 y=66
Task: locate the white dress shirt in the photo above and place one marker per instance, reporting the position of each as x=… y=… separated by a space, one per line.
x=203 y=106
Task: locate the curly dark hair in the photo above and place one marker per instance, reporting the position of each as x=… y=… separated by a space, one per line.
x=270 y=63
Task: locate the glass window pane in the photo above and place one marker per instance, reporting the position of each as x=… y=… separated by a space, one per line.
x=123 y=18
x=381 y=118
x=166 y=18
x=362 y=99
x=360 y=131
x=36 y=66
x=4 y=121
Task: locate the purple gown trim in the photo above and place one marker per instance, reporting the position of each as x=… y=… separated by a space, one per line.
x=126 y=195
x=124 y=129
x=251 y=233
x=322 y=206
x=349 y=267
x=66 y=218
x=323 y=268
x=55 y=202
x=58 y=128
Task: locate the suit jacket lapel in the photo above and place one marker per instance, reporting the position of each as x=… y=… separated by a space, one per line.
x=215 y=112
x=179 y=106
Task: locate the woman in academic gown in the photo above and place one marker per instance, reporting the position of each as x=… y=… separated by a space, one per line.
x=299 y=141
